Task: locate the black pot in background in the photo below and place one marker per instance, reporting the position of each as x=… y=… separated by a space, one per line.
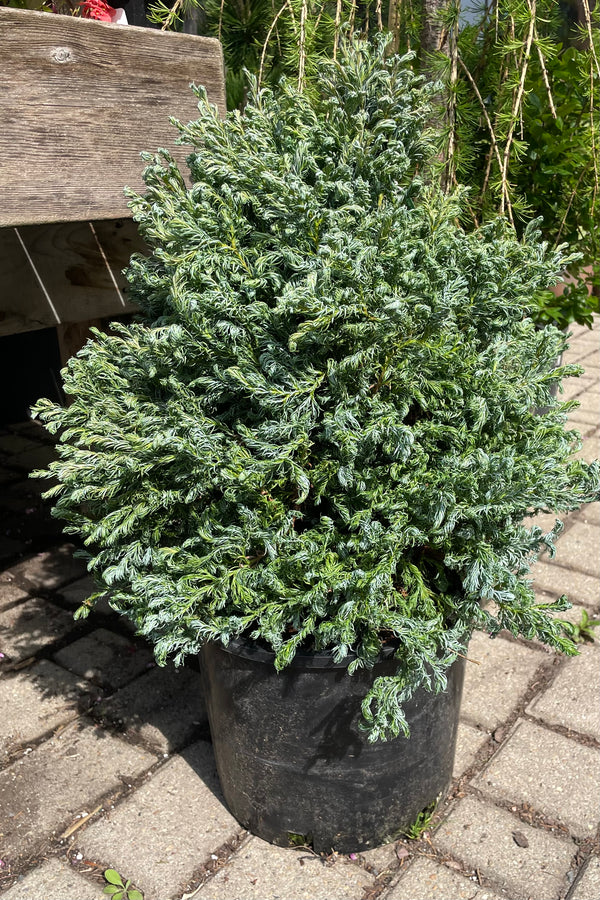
x=293 y=763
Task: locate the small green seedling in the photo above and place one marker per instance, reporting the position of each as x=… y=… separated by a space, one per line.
x=421 y=823
x=582 y=631
x=299 y=840
x=117 y=889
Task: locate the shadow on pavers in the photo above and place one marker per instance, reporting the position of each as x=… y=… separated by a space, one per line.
x=75 y=675
x=161 y=708
x=119 y=683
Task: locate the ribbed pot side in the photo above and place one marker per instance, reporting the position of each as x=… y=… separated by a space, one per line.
x=293 y=763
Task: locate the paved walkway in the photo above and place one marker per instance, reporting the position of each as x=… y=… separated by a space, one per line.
x=105 y=760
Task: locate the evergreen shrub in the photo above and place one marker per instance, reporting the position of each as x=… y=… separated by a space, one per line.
x=321 y=432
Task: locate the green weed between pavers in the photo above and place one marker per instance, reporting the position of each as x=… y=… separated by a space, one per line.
x=421 y=823
x=117 y=889
x=583 y=631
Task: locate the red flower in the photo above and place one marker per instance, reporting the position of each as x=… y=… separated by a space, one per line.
x=96 y=9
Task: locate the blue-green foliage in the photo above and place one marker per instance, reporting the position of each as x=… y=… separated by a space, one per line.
x=322 y=431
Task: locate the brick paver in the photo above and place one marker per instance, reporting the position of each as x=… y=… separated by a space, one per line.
x=588 y=887
x=591 y=513
x=547 y=521
x=485 y=837
x=558 y=580
x=29 y=626
x=260 y=870
x=9 y=548
x=584 y=429
x=12 y=445
x=10 y=593
x=38 y=457
x=575 y=387
x=468 y=743
x=582 y=342
x=41 y=793
x=24 y=495
x=105 y=657
x=581 y=543
x=589 y=452
x=381 y=860
x=430 y=880
x=38 y=700
x=164 y=707
x=55 y=880
x=583 y=419
x=48 y=570
x=75 y=593
x=494 y=687
x=588 y=402
x=167 y=829
x=558 y=776
x=573 y=698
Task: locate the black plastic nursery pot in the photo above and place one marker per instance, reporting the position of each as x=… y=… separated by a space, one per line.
x=294 y=765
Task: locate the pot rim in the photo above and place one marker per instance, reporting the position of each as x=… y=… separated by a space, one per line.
x=303 y=659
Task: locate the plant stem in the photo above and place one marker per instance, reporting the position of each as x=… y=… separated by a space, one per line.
x=266 y=43
x=546 y=80
x=450 y=173
x=172 y=15
x=588 y=23
x=336 y=33
x=302 y=45
x=495 y=148
x=517 y=104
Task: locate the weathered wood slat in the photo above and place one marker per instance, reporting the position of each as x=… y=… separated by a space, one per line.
x=64 y=272
x=119 y=238
x=79 y=101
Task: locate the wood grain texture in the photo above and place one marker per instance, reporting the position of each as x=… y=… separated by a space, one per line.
x=79 y=101
x=79 y=265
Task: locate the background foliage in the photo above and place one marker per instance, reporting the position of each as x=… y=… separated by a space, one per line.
x=518 y=118
x=518 y=122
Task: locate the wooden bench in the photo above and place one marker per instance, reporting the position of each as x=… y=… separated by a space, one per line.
x=79 y=101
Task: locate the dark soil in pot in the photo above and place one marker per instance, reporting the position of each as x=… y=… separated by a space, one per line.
x=294 y=765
